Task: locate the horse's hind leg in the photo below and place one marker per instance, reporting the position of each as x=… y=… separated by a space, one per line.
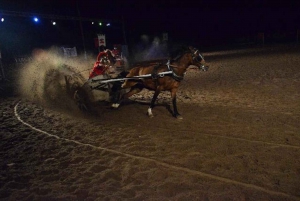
x=174 y=102
x=152 y=104
x=116 y=92
x=135 y=89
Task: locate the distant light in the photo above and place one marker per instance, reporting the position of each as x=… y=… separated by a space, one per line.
x=2 y=19
x=36 y=19
x=53 y=23
x=100 y=23
x=92 y=22
x=108 y=24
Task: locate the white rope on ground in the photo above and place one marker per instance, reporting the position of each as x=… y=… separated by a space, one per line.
x=195 y=172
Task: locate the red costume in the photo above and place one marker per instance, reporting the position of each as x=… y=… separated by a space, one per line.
x=99 y=67
x=101 y=55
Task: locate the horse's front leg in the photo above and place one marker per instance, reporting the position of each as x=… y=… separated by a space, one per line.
x=152 y=104
x=173 y=96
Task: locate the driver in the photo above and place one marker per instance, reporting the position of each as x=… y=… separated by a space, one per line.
x=101 y=65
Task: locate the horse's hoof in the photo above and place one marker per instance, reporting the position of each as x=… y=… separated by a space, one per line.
x=179 y=117
x=115 y=106
x=150 y=115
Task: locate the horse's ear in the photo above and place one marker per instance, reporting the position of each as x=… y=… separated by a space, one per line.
x=191 y=48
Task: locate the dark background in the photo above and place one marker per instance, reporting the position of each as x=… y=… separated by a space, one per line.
x=205 y=24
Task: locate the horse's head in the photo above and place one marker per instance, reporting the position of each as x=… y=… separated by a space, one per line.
x=198 y=59
x=190 y=56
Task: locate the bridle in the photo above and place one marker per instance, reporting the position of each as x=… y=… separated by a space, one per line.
x=197 y=57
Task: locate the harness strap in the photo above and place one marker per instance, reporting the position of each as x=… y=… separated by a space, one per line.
x=174 y=75
x=154 y=73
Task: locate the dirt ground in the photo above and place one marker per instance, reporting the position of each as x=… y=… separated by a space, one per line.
x=239 y=138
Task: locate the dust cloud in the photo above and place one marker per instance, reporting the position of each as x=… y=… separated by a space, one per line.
x=43 y=80
x=147 y=49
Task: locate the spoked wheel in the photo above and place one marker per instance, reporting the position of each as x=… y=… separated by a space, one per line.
x=79 y=91
x=82 y=100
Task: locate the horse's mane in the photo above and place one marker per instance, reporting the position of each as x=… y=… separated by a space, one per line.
x=176 y=53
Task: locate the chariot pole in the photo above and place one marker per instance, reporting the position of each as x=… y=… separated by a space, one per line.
x=162 y=74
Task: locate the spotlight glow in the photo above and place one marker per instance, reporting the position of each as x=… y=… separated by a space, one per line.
x=108 y=24
x=35 y=19
x=2 y=19
x=53 y=23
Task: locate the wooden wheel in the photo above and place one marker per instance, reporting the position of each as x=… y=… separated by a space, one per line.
x=81 y=100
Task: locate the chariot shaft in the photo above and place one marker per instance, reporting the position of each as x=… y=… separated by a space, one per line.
x=130 y=78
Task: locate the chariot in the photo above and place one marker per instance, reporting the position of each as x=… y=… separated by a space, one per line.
x=156 y=75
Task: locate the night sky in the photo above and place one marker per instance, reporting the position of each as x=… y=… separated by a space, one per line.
x=199 y=22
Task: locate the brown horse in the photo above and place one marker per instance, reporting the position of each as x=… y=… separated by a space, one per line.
x=177 y=67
